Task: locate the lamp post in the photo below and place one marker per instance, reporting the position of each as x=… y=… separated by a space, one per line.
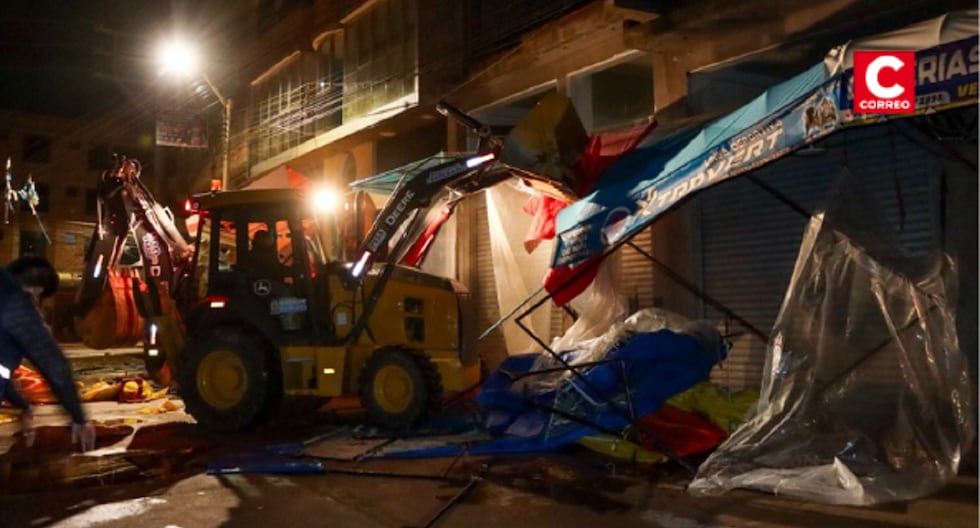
x=225 y=129
x=176 y=56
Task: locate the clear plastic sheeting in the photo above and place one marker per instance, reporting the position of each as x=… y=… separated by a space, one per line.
x=516 y=273
x=866 y=395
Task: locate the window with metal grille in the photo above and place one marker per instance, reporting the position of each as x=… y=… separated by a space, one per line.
x=382 y=56
x=614 y=95
x=301 y=99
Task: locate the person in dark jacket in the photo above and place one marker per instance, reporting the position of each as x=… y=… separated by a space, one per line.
x=24 y=335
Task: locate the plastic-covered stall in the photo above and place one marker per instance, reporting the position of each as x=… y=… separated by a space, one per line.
x=829 y=425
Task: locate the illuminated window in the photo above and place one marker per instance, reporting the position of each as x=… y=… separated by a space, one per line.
x=382 y=56
x=298 y=100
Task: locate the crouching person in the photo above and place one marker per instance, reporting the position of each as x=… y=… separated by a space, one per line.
x=24 y=334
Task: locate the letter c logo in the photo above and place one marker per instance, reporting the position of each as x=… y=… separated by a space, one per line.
x=874 y=70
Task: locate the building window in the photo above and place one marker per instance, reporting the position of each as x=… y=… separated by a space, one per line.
x=37 y=149
x=614 y=96
x=330 y=81
x=301 y=100
x=382 y=56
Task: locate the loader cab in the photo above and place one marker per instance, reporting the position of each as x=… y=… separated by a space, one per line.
x=258 y=257
x=266 y=258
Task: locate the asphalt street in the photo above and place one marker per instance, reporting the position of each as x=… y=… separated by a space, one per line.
x=166 y=477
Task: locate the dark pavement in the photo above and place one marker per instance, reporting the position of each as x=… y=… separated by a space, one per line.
x=161 y=480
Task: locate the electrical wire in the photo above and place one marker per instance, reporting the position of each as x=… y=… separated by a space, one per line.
x=317 y=108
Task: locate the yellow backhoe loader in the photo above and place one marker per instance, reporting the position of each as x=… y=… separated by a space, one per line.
x=275 y=295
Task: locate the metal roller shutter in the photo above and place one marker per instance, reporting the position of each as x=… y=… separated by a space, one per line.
x=491 y=348
x=750 y=239
x=635 y=283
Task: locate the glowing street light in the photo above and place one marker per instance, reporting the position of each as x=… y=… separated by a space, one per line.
x=178 y=57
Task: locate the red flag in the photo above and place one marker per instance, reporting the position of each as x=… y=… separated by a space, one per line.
x=603 y=150
x=561 y=285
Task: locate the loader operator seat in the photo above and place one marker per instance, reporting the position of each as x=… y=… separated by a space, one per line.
x=263 y=258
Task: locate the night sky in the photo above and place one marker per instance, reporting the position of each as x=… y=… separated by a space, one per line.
x=78 y=58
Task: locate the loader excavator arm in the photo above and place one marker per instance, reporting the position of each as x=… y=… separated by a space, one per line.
x=545 y=144
x=404 y=210
x=416 y=194
x=111 y=303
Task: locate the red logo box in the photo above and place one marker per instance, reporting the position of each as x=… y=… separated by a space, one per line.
x=884 y=82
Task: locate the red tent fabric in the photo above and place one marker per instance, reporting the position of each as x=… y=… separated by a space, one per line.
x=603 y=150
x=420 y=248
x=684 y=432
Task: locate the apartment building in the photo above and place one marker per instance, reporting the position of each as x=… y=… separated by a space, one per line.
x=345 y=90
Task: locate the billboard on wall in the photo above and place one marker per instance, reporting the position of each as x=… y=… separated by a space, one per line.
x=182 y=130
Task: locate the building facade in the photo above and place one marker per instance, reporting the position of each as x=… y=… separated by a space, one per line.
x=348 y=89
x=65 y=159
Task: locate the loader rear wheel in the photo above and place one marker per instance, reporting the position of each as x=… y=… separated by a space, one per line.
x=225 y=382
x=400 y=388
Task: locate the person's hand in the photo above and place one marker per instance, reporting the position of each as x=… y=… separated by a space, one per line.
x=84 y=435
x=27 y=427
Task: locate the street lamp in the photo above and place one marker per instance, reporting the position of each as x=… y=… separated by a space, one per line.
x=176 y=56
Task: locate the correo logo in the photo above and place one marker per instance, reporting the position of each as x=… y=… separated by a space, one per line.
x=884 y=82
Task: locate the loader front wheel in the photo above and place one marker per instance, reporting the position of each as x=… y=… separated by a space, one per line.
x=400 y=388
x=225 y=382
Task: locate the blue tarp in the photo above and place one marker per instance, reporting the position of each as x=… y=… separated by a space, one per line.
x=650 y=367
x=654 y=178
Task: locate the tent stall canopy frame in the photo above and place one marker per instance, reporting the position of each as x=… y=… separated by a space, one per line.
x=658 y=176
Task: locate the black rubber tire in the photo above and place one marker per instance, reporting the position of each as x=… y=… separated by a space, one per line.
x=258 y=395
x=426 y=395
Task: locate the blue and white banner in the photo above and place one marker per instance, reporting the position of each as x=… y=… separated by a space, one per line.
x=679 y=174
x=654 y=178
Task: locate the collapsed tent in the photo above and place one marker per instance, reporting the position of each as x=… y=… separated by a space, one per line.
x=807 y=437
x=537 y=402
x=657 y=176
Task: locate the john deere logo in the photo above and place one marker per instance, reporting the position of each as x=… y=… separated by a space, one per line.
x=262 y=287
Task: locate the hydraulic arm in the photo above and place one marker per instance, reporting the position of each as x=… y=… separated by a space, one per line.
x=127 y=210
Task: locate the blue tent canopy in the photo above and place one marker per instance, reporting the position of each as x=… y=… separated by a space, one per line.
x=386 y=182
x=654 y=178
